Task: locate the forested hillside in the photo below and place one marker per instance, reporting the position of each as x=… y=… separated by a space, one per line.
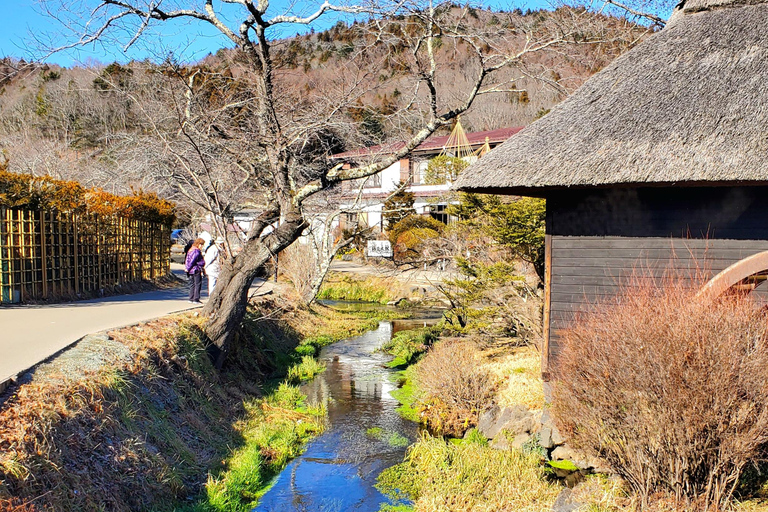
x=106 y=125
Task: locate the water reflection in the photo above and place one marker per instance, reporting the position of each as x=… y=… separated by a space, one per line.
x=338 y=471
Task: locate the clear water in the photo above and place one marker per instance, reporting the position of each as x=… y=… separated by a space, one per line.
x=338 y=471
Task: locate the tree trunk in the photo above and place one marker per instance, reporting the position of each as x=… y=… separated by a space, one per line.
x=226 y=307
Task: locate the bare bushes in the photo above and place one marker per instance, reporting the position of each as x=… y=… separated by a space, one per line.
x=671 y=390
x=298 y=263
x=455 y=387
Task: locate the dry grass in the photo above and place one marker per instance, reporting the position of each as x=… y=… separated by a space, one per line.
x=455 y=387
x=518 y=369
x=754 y=505
x=126 y=435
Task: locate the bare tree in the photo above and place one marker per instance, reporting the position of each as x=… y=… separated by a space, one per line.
x=262 y=130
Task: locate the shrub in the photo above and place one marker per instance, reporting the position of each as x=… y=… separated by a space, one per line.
x=45 y=193
x=517 y=226
x=670 y=389
x=408 y=235
x=492 y=298
x=454 y=387
x=398 y=206
x=299 y=264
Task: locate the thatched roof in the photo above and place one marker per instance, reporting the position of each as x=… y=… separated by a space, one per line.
x=687 y=106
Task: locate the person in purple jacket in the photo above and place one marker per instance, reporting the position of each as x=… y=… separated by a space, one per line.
x=194 y=266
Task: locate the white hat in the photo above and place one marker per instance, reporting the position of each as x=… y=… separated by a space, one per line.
x=219 y=239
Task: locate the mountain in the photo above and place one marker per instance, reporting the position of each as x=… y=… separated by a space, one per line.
x=94 y=124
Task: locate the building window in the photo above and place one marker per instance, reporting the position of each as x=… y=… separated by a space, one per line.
x=439 y=213
x=418 y=171
x=373 y=181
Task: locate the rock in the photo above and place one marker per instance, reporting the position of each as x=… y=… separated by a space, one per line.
x=565 y=503
x=573 y=479
x=99 y=337
x=520 y=440
x=547 y=392
x=488 y=420
x=597 y=465
x=515 y=419
x=581 y=460
x=564 y=453
x=545 y=436
x=500 y=443
x=557 y=438
x=522 y=426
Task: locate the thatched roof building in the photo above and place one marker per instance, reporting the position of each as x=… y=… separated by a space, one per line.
x=687 y=106
x=658 y=161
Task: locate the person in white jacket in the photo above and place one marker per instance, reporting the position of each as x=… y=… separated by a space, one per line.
x=213 y=263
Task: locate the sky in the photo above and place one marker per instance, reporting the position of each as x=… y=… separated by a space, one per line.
x=188 y=42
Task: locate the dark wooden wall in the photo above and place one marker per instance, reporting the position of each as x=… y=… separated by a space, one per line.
x=599 y=238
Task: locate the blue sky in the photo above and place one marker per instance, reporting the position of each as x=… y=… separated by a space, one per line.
x=188 y=42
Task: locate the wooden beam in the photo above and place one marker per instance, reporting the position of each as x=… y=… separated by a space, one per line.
x=545 y=375
x=43 y=255
x=735 y=274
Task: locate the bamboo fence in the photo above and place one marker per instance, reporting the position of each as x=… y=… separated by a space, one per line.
x=49 y=255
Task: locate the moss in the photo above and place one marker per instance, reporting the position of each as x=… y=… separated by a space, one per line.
x=565 y=465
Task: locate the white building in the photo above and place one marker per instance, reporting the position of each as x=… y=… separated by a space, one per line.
x=429 y=198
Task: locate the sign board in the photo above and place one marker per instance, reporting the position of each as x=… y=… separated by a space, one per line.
x=379 y=249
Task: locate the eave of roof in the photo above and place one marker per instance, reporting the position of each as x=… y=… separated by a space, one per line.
x=434 y=143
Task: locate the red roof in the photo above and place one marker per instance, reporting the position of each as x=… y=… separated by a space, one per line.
x=433 y=143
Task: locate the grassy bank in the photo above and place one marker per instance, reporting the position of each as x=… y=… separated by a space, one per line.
x=357 y=288
x=144 y=422
x=441 y=473
x=469 y=476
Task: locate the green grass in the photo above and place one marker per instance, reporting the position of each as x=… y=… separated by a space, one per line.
x=346 y=288
x=408 y=346
x=305 y=370
x=407 y=394
x=275 y=431
x=468 y=477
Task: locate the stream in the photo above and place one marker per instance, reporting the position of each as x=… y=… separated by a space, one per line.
x=338 y=470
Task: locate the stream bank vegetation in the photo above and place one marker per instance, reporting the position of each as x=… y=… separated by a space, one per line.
x=671 y=390
x=348 y=288
x=143 y=421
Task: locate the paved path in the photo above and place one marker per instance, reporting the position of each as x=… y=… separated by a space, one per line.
x=31 y=334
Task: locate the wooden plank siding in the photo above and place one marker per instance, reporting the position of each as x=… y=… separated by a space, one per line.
x=601 y=238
